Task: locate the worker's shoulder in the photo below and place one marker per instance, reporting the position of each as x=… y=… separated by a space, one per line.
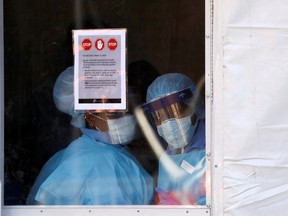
x=89 y=146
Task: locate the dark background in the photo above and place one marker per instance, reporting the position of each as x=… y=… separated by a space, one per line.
x=170 y=34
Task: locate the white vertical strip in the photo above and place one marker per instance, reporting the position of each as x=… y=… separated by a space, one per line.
x=216 y=109
x=208 y=95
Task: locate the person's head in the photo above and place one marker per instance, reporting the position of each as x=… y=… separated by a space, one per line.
x=141 y=74
x=63 y=96
x=175 y=108
x=111 y=127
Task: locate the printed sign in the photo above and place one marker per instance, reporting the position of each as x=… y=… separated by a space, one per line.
x=100 y=69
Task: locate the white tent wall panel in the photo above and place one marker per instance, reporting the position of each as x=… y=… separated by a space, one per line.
x=251 y=96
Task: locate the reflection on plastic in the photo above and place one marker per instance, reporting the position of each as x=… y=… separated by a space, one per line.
x=153 y=141
x=188 y=176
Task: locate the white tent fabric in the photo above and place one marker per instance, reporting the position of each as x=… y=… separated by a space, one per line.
x=250 y=115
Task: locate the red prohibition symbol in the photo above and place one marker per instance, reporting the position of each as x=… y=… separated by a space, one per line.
x=86 y=44
x=112 y=44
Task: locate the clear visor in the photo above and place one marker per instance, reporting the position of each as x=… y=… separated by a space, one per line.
x=98 y=119
x=175 y=105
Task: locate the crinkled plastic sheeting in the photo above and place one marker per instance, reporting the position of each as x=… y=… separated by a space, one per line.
x=251 y=67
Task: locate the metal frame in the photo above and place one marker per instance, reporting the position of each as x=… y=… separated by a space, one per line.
x=209 y=91
x=120 y=210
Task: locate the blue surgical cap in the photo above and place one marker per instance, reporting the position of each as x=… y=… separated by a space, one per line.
x=171 y=83
x=63 y=95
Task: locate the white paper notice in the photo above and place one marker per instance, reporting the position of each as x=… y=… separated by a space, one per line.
x=100 y=69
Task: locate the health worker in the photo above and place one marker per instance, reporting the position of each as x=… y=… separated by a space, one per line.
x=178 y=115
x=96 y=168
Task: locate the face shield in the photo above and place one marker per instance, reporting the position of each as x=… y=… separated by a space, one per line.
x=172 y=106
x=100 y=120
x=174 y=117
x=119 y=126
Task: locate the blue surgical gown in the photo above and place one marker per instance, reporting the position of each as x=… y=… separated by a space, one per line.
x=89 y=172
x=186 y=185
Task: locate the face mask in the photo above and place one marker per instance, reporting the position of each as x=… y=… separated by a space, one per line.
x=177 y=132
x=122 y=130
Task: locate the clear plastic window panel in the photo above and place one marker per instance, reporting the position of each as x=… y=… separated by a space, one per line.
x=153 y=151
